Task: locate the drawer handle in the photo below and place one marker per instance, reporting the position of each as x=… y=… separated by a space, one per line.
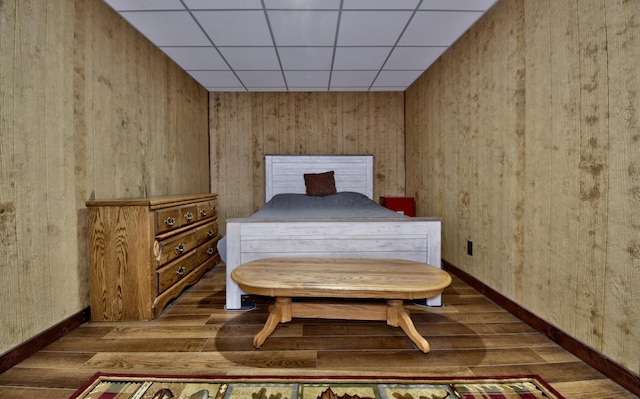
x=213 y=209
x=180 y=247
x=210 y=233
x=210 y=251
x=180 y=270
x=203 y=212
x=170 y=221
x=188 y=216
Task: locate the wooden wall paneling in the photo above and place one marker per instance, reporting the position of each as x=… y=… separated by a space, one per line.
x=216 y=145
x=396 y=134
x=285 y=132
x=381 y=147
x=83 y=87
x=474 y=159
x=415 y=99
x=444 y=131
x=458 y=183
x=412 y=99
x=621 y=313
x=10 y=317
x=537 y=157
x=330 y=123
x=431 y=129
x=30 y=167
x=261 y=104
x=366 y=132
x=482 y=163
x=496 y=202
x=306 y=127
x=61 y=221
x=128 y=162
x=593 y=172
x=516 y=96
x=235 y=165
x=350 y=122
x=104 y=101
x=563 y=183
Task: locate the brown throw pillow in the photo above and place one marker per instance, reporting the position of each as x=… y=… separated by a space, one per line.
x=320 y=184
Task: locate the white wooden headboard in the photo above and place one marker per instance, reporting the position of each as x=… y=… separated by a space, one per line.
x=285 y=173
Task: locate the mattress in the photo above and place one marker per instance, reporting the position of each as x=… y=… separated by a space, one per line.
x=301 y=206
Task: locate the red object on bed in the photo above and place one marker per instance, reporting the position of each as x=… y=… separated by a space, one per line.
x=404 y=205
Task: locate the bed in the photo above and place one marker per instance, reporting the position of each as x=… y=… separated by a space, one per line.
x=356 y=233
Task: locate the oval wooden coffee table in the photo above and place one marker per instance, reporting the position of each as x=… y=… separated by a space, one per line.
x=392 y=279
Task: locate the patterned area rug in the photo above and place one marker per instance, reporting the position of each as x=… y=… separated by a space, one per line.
x=112 y=386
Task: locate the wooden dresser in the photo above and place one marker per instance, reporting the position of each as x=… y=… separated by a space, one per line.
x=144 y=252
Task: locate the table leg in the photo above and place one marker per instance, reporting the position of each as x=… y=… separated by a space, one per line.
x=397 y=316
x=280 y=312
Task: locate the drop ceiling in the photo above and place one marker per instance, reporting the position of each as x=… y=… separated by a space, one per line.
x=302 y=45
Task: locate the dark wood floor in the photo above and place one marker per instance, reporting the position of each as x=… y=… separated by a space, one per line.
x=195 y=335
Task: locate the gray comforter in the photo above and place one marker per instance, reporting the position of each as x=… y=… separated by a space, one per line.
x=343 y=204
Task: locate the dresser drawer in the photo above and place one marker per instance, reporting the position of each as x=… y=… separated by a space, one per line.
x=207 y=250
x=171 y=218
x=167 y=219
x=188 y=215
x=174 y=247
x=207 y=232
x=175 y=271
x=207 y=209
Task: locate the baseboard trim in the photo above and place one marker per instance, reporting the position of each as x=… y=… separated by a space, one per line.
x=43 y=339
x=598 y=361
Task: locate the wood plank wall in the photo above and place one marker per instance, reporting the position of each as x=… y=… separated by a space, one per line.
x=525 y=138
x=246 y=126
x=88 y=109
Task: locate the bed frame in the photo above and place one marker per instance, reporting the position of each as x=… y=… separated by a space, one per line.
x=248 y=239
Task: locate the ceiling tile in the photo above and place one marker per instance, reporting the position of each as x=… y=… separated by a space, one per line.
x=366 y=28
x=437 y=28
x=413 y=58
x=235 y=28
x=256 y=79
x=352 y=78
x=304 y=28
x=167 y=28
x=306 y=58
x=193 y=58
x=251 y=58
x=216 y=78
x=396 y=78
x=127 y=5
x=222 y=4
x=317 y=79
x=347 y=58
x=379 y=4
x=302 y=5
x=475 y=5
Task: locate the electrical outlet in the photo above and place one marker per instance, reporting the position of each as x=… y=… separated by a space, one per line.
x=470 y=248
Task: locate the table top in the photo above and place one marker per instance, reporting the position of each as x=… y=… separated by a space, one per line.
x=341 y=277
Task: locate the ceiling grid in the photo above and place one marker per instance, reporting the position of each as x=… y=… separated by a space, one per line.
x=302 y=45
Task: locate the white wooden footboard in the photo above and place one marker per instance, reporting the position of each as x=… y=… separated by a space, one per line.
x=249 y=239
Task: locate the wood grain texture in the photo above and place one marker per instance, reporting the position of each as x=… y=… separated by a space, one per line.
x=244 y=127
x=341 y=277
x=543 y=137
x=88 y=108
x=470 y=336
